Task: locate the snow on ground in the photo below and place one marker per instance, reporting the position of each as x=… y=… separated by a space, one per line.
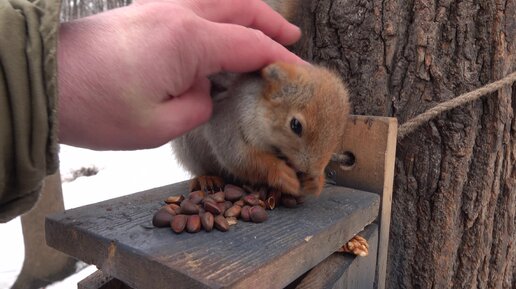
x=120 y=173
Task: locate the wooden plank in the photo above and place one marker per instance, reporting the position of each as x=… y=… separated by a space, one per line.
x=116 y=236
x=345 y=271
x=99 y=280
x=372 y=141
x=338 y=271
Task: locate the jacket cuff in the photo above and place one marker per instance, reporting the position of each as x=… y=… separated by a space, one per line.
x=50 y=33
x=28 y=92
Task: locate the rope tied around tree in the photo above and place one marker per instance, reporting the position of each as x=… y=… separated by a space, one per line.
x=412 y=124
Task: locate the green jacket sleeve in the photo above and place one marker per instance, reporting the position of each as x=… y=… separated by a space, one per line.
x=28 y=91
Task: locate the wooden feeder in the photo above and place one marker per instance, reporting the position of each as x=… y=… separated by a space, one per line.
x=294 y=248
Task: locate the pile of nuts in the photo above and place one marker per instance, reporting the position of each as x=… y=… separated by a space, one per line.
x=221 y=209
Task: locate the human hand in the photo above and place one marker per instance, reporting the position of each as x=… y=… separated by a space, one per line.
x=136 y=77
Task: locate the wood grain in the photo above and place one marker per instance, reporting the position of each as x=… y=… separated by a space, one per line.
x=345 y=271
x=116 y=235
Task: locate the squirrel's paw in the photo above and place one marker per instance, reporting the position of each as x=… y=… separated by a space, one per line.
x=206 y=183
x=357 y=246
x=312 y=186
x=284 y=178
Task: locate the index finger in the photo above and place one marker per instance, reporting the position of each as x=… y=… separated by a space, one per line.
x=250 y=13
x=235 y=48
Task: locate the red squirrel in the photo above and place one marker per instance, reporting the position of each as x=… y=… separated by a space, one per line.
x=277 y=128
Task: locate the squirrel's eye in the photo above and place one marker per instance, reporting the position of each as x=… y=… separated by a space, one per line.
x=296 y=126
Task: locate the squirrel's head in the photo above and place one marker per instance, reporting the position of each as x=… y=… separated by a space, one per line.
x=304 y=110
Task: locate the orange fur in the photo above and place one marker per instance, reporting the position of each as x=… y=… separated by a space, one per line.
x=261 y=167
x=250 y=138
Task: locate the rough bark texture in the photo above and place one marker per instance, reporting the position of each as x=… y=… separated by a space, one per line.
x=454 y=209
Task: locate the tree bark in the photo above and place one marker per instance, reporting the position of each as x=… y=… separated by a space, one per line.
x=454 y=208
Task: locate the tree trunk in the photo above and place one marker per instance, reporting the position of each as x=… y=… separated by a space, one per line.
x=454 y=208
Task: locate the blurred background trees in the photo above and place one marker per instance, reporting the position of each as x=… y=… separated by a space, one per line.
x=73 y=9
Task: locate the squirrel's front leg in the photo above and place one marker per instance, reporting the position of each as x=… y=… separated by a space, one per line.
x=312 y=185
x=266 y=168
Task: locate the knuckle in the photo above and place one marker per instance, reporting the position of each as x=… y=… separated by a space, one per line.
x=258 y=35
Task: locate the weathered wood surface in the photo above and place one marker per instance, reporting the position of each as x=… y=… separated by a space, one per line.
x=116 y=235
x=338 y=271
x=372 y=143
x=345 y=271
x=99 y=280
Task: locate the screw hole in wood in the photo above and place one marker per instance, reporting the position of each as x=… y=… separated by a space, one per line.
x=347 y=161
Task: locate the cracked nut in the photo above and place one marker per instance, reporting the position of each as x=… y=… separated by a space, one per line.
x=221 y=223
x=357 y=246
x=212 y=207
x=272 y=200
x=232 y=220
x=234 y=211
x=218 y=197
x=174 y=199
x=172 y=209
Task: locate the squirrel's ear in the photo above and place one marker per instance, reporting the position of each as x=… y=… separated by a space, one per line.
x=276 y=73
x=278 y=78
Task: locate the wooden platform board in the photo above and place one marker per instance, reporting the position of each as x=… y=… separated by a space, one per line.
x=116 y=235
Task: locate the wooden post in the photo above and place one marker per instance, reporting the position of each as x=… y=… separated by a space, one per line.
x=43 y=265
x=370 y=150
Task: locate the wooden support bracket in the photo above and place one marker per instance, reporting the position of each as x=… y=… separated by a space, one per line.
x=369 y=150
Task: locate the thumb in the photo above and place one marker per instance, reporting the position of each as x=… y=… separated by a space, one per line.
x=182 y=113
